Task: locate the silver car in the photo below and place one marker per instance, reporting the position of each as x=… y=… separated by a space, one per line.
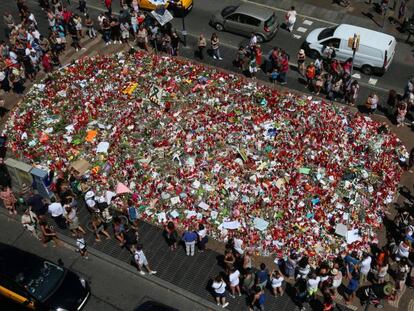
x=244 y=19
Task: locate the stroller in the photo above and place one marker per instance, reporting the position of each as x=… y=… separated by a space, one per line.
x=375 y=294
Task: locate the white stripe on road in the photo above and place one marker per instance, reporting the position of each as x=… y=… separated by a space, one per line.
x=301 y=29
x=283 y=10
x=297 y=36
x=372 y=81
x=307 y=22
x=356 y=76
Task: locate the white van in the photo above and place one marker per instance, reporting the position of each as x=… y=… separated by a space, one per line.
x=374 y=55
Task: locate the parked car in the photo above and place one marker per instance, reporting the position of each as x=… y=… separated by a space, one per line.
x=39 y=284
x=375 y=52
x=246 y=18
x=149 y=5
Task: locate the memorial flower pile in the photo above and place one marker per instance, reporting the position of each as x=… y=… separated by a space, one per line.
x=195 y=144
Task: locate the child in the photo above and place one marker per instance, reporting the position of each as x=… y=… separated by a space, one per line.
x=274 y=75
x=81 y=244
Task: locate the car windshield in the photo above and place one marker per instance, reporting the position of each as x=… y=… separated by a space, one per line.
x=40 y=280
x=228 y=10
x=271 y=21
x=327 y=33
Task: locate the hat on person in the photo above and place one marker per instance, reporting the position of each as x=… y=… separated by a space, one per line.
x=301 y=51
x=89 y=195
x=334 y=271
x=388 y=289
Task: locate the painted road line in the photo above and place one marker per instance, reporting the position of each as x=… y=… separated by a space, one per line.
x=356 y=76
x=307 y=22
x=285 y=11
x=297 y=36
x=372 y=81
x=302 y=29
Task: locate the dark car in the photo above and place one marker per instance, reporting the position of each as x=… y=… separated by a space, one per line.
x=39 y=284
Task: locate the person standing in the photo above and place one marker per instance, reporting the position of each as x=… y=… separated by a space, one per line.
x=81 y=244
x=312 y=285
x=365 y=267
x=108 y=4
x=290 y=19
x=234 y=280
x=215 y=46
x=30 y=222
x=202 y=238
x=9 y=200
x=276 y=281
x=48 y=233
x=262 y=276
x=229 y=260
x=189 y=237
x=401 y=113
x=352 y=287
x=141 y=261
x=73 y=220
x=248 y=281
x=202 y=43
x=258 y=299
x=219 y=291
x=372 y=103
x=171 y=235
x=284 y=67
x=310 y=75
x=301 y=62
x=56 y=210
x=89 y=25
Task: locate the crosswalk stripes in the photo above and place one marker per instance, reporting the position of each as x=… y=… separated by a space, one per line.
x=307 y=22
x=372 y=81
x=302 y=29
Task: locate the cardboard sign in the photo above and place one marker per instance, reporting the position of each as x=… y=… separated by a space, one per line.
x=162 y=18
x=155 y=95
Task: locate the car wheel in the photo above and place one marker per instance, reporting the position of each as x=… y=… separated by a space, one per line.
x=366 y=70
x=260 y=39
x=314 y=54
x=219 y=27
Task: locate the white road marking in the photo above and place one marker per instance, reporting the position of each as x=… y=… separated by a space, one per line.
x=297 y=36
x=301 y=29
x=282 y=10
x=356 y=76
x=372 y=81
x=307 y=22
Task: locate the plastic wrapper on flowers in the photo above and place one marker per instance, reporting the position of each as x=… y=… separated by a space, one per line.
x=195 y=144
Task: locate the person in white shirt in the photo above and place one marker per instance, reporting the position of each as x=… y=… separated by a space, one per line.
x=56 y=210
x=365 y=267
x=234 y=279
x=253 y=40
x=141 y=260
x=81 y=244
x=291 y=19
x=219 y=287
x=336 y=281
x=312 y=285
x=238 y=245
x=30 y=221
x=276 y=281
x=202 y=238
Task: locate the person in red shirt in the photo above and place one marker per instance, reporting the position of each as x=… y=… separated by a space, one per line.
x=108 y=4
x=258 y=53
x=284 y=67
x=46 y=63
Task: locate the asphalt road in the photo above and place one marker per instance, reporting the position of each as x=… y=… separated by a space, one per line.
x=113 y=288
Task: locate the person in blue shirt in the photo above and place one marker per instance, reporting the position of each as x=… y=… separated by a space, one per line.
x=189 y=237
x=351 y=261
x=262 y=276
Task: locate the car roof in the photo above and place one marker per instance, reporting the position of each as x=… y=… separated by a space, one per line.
x=256 y=11
x=14 y=260
x=368 y=37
